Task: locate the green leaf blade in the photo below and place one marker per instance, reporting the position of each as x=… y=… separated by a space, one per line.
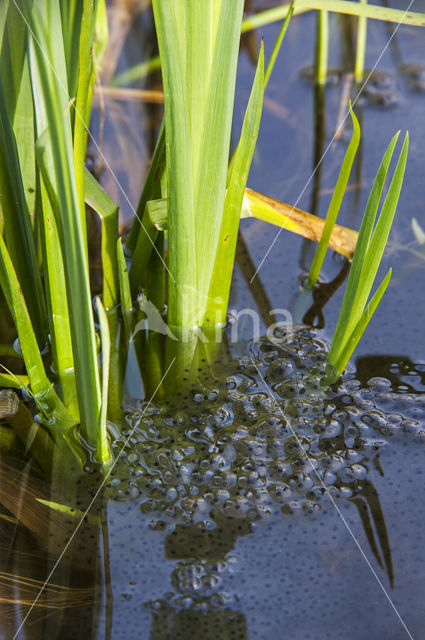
x=238 y=175
x=335 y=203
x=351 y=308
x=51 y=81
x=341 y=362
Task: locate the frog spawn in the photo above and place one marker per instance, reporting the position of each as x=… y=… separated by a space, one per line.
x=267 y=439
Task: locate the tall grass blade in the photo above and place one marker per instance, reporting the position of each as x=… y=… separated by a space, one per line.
x=101 y=34
x=102 y=448
x=16 y=81
x=349 y=7
x=148 y=193
x=4 y=7
x=272 y=60
x=56 y=295
x=351 y=311
x=335 y=203
x=70 y=15
x=198 y=47
x=155 y=294
x=47 y=48
x=13 y=53
x=361 y=47
x=40 y=385
x=366 y=260
x=17 y=224
x=97 y=198
x=322 y=47
x=16 y=303
x=239 y=170
x=352 y=342
x=85 y=81
x=144 y=246
x=23 y=126
x=278 y=44
x=380 y=235
x=125 y=294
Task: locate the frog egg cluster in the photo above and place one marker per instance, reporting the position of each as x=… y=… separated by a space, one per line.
x=268 y=438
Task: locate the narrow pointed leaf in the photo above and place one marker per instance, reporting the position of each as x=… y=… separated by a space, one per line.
x=17 y=224
x=51 y=80
x=41 y=386
x=373 y=11
x=278 y=44
x=335 y=203
x=155 y=169
x=351 y=309
x=102 y=449
x=125 y=294
x=223 y=264
x=97 y=198
x=340 y=363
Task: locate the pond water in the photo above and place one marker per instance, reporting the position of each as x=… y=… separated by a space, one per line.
x=258 y=504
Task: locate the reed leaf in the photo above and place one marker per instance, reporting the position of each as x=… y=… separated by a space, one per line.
x=83 y=103
x=136 y=72
x=16 y=81
x=350 y=313
x=4 y=7
x=51 y=80
x=102 y=448
x=13 y=53
x=322 y=47
x=239 y=170
x=148 y=193
x=277 y=45
x=366 y=260
x=144 y=246
x=17 y=224
x=256 y=205
x=48 y=216
x=97 y=198
x=280 y=12
x=13 y=381
x=198 y=43
x=56 y=295
x=41 y=386
x=107 y=210
x=17 y=304
x=336 y=202
x=125 y=294
x=358 y=331
x=373 y=11
x=361 y=47
x=70 y=15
